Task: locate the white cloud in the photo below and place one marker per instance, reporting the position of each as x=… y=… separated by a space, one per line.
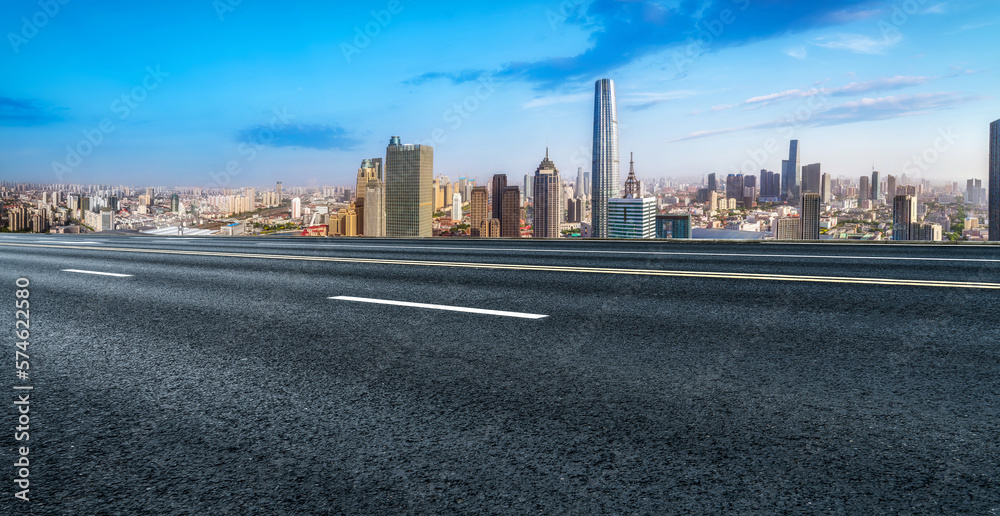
x=858 y=43
x=559 y=99
x=798 y=52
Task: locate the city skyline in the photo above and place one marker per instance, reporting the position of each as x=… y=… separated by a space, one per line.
x=854 y=70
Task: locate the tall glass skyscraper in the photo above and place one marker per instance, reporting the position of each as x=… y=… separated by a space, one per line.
x=995 y=181
x=791 y=171
x=548 y=208
x=605 y=176
x=409 y=172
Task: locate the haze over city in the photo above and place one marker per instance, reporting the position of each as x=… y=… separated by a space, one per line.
x=318 y=86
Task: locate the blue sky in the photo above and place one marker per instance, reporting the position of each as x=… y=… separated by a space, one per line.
x=173 y=94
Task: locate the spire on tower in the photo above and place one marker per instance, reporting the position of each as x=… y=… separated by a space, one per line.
x=631 y=184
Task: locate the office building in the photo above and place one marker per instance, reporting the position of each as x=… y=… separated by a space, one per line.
x=547 y=201
x=510 y=220
x=580 y=185
x=374 y=215
x=904 y=217
x=713 y=183
x=409 y=170
x=456 y=207
x=890 y=186
x=673 y=226
x=497 y=186
x=876 y=186
x=812 y=178
x=749 y=197
x=489 y=228
x=479 y=209
x=790 y=171
x=278 y=191
x=371 y=169
x=864 y=189
x=734 y=186
x=175 y=203
x=606 y=181
x=825 y=191
x=994 y=182
x=529 y=191
x=809 y=215
x=632 y=218
x=788 y=228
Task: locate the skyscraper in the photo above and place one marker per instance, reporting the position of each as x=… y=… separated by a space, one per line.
x=790 y=171
x=994 y=193
x=548 y=207
x=580 y=184
x=825 y=192
x=864 y=190
x=890 y=186
x=175 y=203
x=409 y=170
x=812 y=179
x=296 y=208
x=510 y=222
x=496 y=193
x=605 y=179
x=277 y=190
x=876 y=186
x=374 y=215
x=529 y=191
x=479 y=210
x=370 y=169
x=713 y=183
x=809 y=216
x=904 y=217
x=456 y=207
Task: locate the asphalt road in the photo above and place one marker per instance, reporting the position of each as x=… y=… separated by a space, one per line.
x=220 y=377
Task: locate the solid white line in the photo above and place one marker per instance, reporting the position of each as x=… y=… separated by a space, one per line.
x=441 y=307
x=661 y=253
x=98 y=273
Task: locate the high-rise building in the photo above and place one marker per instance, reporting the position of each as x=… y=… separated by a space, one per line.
x=529 y=191
x=175 y=203
x=548 y=207
x=994 y=191
x=876 y=186
x=497 y=185
x=632 y=218
x=489 y=228
x=277 y=190
x=890 y=186
x=749 y=197
x=580 y=191
x=409 y=170
x=606 y=180
x=673 y=226
x=904 y=217
x=790 y=170
x=296 y=208
x=370 y=169
x=825 y=191
x=713 y=183
x=812 y=179
x=788 y=228
x=479 y=210
x=864 y=190
x=809 y=215
x=510 y=222
x=734 y=186
x=456 y=207
x=374 y=216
